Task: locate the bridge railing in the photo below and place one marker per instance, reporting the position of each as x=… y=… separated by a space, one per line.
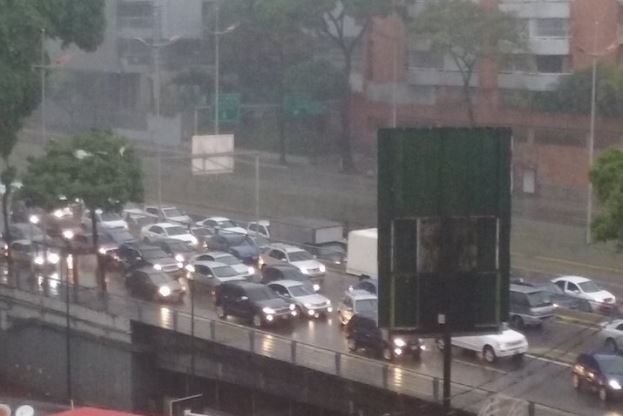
x=353 y=367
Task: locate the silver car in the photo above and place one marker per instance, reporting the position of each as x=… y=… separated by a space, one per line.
x=310 y=304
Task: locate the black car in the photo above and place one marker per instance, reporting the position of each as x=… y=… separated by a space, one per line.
x=240 y=245
x=362 y=331
x=154 y=285
x=599 y=372
x=253 y=302
x=136 y=255
x=273 y=272
x=177 y=249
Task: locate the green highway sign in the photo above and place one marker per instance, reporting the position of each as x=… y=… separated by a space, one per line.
x=229 y=108
x=301 y=106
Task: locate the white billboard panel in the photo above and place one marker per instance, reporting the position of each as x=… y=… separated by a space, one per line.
x=212 y=154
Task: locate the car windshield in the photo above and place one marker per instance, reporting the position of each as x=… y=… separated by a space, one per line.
x=120 y=235
x=176 y=230
x=226 y=224
x=552 y=288
x=589 y=287
x=294 y=274
x=224 y=271
x=239 y=240
x=153 y=253
x=261 y=293
x=201 y=231
x=110 y=216
x=540 y=298
x=299 y=290
x=172 y=212
x=179 y=247
x=610 y=364
x=228 y=260
x=160 y=278
x=300 y=256
x=366 y=306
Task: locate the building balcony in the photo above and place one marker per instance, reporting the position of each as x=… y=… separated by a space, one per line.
x=529 y=81
x=433 y=77
x=549 y=46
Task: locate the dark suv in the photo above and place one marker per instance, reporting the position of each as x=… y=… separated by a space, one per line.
x=135 y=255
x=253 y=302
x=362 y=331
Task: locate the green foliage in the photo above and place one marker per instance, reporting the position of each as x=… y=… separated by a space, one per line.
x=318 y=79
x=573 y=93
x=96 y=166
x=607 y=179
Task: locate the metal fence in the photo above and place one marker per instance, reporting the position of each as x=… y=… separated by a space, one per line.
x=348 y=366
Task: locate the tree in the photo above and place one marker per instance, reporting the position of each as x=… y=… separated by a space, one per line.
x=22 y=25
x=331 y=19
x=467 y=32
x=607 y=179
x=95 y=166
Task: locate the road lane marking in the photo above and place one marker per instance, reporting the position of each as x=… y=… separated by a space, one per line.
x=549 y=360
x=568 y=262
x=480 y=366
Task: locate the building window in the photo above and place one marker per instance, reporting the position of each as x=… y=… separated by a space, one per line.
x=425 y=59
x=135 y=14
x=518 y=63
x=528 y=185
x=551 y=28
x=552 y=64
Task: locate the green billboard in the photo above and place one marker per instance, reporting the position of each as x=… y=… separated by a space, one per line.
x=444 y=228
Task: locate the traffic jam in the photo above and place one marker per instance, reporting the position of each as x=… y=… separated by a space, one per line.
x=250 y=274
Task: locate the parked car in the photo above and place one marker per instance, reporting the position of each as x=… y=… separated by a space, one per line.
x=104 y=219
x=253 y=302
x=309 y=303
x=506 y=343
x=228 y=259
x=139 y=255
x=529 y=306
x=161 y=230
x=207 y=275
x=154 y=285
x=599 y=372
x=287 y=272
x=363 y=332
x=584 y=288
x=297 y=257
x=356 y=302
x=369 y=284
x=168 y=214
x=611 y=335
x=179 y=250
x=221 y=224
x=240 y=245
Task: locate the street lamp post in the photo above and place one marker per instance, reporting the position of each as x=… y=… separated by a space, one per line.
x=43 y=126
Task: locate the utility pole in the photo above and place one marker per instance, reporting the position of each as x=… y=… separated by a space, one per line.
x=43 y=126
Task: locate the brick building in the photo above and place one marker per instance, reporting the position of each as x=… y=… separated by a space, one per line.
x=405 y=82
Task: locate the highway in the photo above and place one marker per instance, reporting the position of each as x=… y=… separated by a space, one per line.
x=543 y=377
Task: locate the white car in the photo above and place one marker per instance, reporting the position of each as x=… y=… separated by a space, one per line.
x=296 y=256
x=310 y=304
x=161 y=230
x=228 y=259
x=356 y=302
x=168 y=214
x=105 y=219
x=584 y=288
x=612 y=335
x=508 y=343
x=221 y=223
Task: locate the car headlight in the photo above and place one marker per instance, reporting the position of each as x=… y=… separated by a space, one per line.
x=614 y=384
x=58 y=213
x=180 y=264
x=53 y=258
x=158 y=266
x=251 y=270
x=179 y=258
x=194 y=241
x=190 y=268
x=267 y=310
x=399 y=342
x=164 y=291
x=308 y=305
x=316 y=287
x=304 y=270
x=39 y=260
x=292 y=306
x=322 y=268
x=125 y=226
x=102 y=250
x=328 y=302
x=68 y=234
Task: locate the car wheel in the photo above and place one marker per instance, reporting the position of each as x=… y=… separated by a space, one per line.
x=603 y=394
x=388 y=355
x=488 y=354
x=611 y=345
x=257 y=321
x=220 y=312
x=440 y=344
x=352 y=344
x=577 y=383
x=517 y=322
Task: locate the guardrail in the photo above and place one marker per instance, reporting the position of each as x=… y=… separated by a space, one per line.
x=348 y=366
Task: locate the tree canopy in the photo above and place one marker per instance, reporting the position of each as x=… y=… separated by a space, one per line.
x=466 y=32
x=607 y=179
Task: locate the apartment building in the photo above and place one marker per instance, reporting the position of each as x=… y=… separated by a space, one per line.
x=406 y=83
